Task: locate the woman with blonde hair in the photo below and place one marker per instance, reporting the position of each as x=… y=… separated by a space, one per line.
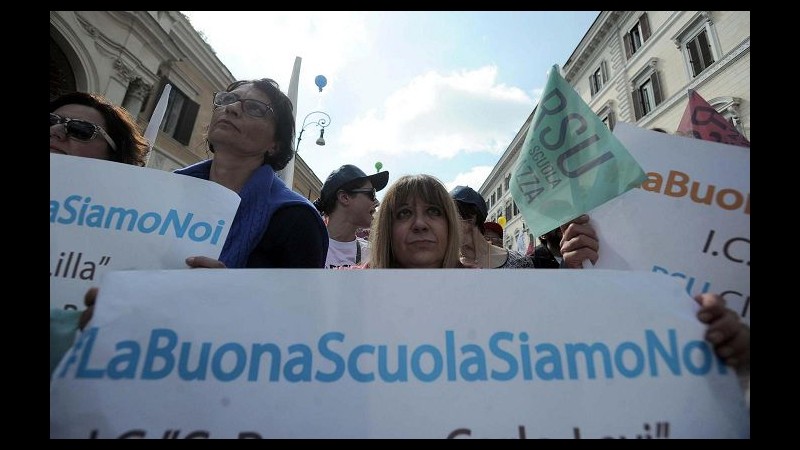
x=417 y=226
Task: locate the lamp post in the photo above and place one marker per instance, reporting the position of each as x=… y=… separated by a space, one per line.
x=287 y=173
x=321 y=122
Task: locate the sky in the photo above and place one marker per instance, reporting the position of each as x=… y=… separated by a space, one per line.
x=442 y=93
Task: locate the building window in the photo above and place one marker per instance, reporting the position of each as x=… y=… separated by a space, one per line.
x=499 y=192
x=699 y=52
x=606 y=115
x=508 y=180
x=508 y=211
x=646 y=95
x=598 y=78
x=697 y=40
x=608 y=122
x=516 y=210
x=180 y=116
x=637 y=36
x=493 y=200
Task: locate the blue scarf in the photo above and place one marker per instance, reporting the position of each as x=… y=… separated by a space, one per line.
x=262 y=195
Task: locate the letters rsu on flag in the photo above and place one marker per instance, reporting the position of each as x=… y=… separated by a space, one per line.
x=570 y=161
x=702 y=121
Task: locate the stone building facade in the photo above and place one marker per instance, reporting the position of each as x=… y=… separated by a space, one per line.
x=128 y=57
x=637 y=67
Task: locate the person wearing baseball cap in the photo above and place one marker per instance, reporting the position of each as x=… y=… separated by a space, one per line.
x=580 y=243
x=471 y=205
x=493 y=232
x=348 y=202
x=475 y=250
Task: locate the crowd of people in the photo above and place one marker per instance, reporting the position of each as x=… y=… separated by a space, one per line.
x=418 y=224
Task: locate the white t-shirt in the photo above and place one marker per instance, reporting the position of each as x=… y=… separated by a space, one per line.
x=344 y=253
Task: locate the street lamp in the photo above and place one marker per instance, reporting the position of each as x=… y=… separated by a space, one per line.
x=321 y=122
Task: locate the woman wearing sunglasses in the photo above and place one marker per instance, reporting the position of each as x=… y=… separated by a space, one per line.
x=88 y=125
x=251 y=135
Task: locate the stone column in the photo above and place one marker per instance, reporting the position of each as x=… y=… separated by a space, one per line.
x=137 y=92
x=118 y=84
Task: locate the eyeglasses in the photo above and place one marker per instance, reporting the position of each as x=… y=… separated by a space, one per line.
x=253 y=108
x=370 y=192
x=81 y=129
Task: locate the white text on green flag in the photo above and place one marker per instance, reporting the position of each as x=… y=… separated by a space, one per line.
x=570 y=162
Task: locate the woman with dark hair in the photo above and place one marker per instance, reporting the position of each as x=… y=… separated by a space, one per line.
x=251 y=135
x=89 y=125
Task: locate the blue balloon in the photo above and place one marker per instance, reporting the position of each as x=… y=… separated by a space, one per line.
x=320 y=81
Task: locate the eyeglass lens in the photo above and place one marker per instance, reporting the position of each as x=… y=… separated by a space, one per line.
x=252 y=107
x=370 y=193
x=79 y=129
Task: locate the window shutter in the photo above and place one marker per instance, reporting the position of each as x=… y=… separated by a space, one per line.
x=628 y=48
x=186 y=122
x=656 y=88
x=591 y=84
x=636 y=96
x=692 y=58
x=645 y=27
x=705 y=49
x=604 y=71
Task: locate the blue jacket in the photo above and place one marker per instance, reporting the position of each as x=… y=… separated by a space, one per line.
x=262 y=196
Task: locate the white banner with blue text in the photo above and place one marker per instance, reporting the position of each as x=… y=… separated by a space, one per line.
x=107 y=216
x=690 y=220
x=457 y=353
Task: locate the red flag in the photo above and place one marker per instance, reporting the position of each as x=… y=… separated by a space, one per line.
x=701 y=121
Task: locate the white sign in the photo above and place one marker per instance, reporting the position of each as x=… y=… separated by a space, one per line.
x=394 y=354
x=108 y=216
x=690 y=220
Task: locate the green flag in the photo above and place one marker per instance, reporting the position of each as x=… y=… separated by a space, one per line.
x=570 y=162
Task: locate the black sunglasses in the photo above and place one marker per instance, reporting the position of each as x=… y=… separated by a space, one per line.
x=81 y=129
x=370 y=192
x=250 y=106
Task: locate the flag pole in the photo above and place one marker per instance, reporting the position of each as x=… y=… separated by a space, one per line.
x=151 y=133
x=287 y=173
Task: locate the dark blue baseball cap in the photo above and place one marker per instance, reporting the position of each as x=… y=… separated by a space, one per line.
x=348 y=173
x=466 y=194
